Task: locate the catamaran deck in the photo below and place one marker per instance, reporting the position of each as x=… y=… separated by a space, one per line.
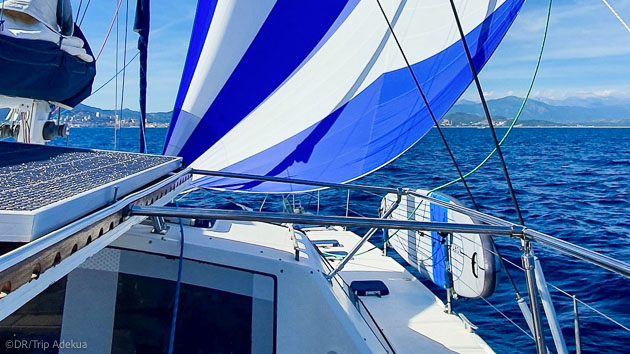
x=411 y=316
x=44 y=187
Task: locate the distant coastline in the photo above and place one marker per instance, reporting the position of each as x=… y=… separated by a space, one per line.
x=542 y=127
x=575 y=113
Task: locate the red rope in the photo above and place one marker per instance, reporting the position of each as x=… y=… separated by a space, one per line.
x=109 y=31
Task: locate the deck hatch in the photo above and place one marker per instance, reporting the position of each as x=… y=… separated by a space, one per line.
x=369 y=288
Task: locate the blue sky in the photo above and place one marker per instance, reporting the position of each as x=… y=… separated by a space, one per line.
x=587 y=53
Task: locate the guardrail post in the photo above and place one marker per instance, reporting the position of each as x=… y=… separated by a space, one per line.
x=159 y=226
x=528 y=264
x=448 y=238
x=385 y=236
x=369 y=234
x=296 y=246
x=576 y=323
x=348 y=203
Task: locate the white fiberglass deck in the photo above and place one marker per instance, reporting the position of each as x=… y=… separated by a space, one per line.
x=411 y=316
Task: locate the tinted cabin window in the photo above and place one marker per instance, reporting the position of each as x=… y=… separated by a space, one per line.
x=38 y=321
x=208 y=321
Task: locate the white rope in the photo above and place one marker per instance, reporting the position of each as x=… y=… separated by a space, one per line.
x=616 y=15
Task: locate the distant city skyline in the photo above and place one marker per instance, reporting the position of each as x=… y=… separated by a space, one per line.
x=587 y=53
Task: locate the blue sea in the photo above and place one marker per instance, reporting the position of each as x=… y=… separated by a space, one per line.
x=571 y=183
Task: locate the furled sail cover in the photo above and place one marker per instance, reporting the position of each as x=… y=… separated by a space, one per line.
x=318 y=90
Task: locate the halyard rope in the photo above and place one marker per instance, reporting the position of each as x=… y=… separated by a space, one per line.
x=426 y=102
x=520 y=110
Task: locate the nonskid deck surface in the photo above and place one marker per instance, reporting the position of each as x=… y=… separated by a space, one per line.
x=43 y=188
x=411 y=316
x=33 y=176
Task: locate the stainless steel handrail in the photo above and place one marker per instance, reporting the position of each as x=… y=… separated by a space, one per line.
x=243 y=215
x=595 y=258
x=504 y=228
x=592 y=257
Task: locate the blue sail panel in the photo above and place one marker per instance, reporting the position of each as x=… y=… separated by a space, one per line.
x=343 y=103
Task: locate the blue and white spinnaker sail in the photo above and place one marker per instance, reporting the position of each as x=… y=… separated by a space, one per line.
x=319 y=89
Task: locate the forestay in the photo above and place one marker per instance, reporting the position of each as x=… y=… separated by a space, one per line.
x=319 y=89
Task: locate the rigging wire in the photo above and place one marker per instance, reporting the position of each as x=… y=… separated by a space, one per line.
x=116 y=88
x=115 y=76
x=87 y=5
x=518 y=113
x=487 y=113
x=79 y=9
x=536 y=324
x=426 y=102
x=124 y=70
x=616 y=15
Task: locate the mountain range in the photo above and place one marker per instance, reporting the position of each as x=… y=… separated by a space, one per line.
x=597 y=112
x=537 y=112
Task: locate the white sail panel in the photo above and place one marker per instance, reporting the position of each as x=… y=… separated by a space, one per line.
x=225 y=43
x=329 y=97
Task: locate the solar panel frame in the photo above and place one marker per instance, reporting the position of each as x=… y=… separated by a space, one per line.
x=43 y=187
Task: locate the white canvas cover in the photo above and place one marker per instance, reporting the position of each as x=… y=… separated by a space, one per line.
x=56 y=16
x=41 y=25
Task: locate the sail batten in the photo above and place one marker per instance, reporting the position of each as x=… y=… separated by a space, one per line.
x=341 y=103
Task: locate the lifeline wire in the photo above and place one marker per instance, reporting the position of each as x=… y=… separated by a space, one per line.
x=601 y=314
x=426 y=103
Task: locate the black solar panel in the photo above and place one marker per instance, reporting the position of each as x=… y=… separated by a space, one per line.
x=33 y=176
